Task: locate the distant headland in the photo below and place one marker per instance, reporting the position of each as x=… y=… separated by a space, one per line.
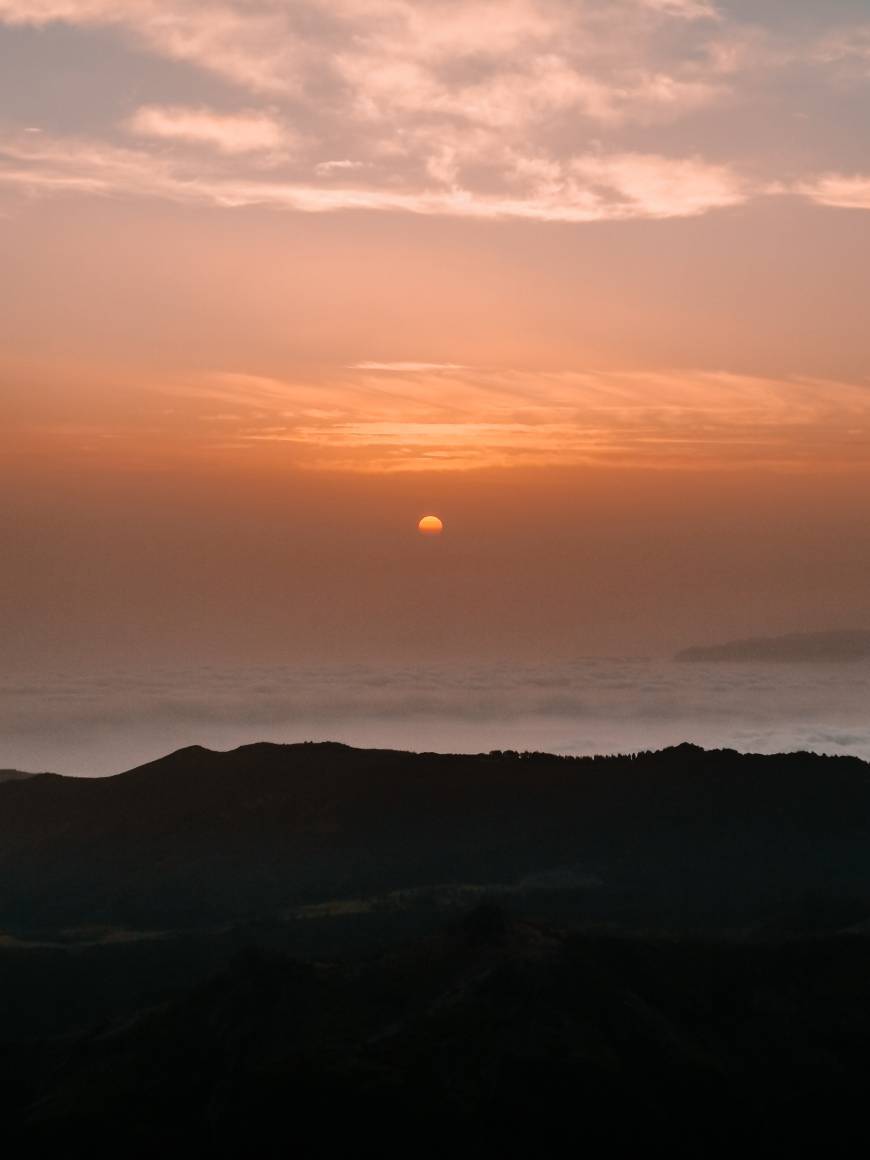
x=803 y=647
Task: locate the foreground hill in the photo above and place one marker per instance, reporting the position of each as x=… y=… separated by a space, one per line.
x=492 y=1034
x=680 y=838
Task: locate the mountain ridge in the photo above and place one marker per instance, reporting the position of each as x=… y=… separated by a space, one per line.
x=202 y=837
x=176 y=756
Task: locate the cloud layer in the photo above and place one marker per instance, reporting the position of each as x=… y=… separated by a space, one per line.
x=592 y=188
x=554 y=110
x=407 y=417
x=103 y=723
x=417 y=416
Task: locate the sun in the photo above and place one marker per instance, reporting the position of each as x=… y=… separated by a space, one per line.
x=430 y=526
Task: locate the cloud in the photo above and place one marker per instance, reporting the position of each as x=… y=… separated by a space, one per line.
x=503 y=63
x=845 y=45
x=384 y=416
x=443 y=106
x=586 y=189
x=406 y=367
x=245 y=132
x=663 y=187
x=839 y=191
x=684 y=9
x=326 y=168
x=548 y=110
x=406 y=416
x=247 y=43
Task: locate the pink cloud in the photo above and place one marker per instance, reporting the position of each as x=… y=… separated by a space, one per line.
x=593 y=188
x=246 y=132
x=839 y=191
x=529 y=109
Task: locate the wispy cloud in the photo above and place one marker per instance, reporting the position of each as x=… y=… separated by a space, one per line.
x=593 y=188
x=840 y=191
x=246 y=132
x=475 y=109
x=401 y=419
x=405 y=367
x=247 y=43
x=269 y=46
x=413 y=416
x=685 y=9
x=850 y=44
x=327 y=168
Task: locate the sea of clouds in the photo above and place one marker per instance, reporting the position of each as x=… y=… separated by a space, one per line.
x=106 y=722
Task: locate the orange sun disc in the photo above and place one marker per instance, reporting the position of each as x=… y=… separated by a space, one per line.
x=430 y=526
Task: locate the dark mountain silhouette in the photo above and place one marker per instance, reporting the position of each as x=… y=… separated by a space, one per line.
x=796 y=647
x=681 y=839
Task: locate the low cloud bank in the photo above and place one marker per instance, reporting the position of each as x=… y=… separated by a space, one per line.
x=103 y=723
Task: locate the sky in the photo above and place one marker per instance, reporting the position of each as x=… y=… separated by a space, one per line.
x=586 y=279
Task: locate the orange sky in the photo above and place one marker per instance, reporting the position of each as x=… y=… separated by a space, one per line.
x=589 y=280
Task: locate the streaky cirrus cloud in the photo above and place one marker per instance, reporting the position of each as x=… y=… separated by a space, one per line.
x=413 y=415
x=424 y=416
x=406 y=367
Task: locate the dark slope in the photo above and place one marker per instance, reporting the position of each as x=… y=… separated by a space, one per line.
x=496 y=1034
x=681 y=837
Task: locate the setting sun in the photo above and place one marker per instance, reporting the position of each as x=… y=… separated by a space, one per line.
x=430 y=526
